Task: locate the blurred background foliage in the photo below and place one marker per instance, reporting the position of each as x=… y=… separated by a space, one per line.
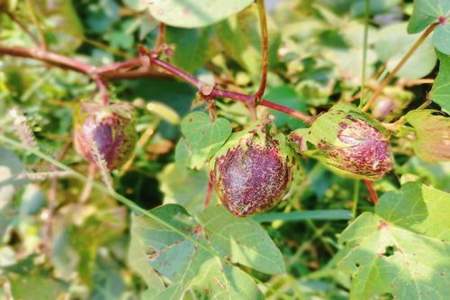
x=55 y=244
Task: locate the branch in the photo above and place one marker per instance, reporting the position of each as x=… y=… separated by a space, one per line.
x=140 y=67
x=405 y=58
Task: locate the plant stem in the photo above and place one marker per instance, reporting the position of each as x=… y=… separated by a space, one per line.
x=264 y=50
x=127 y=69
x=355 y=198
x=161 y=39
x=365 y=45
x=372 y=193
x=401 y=63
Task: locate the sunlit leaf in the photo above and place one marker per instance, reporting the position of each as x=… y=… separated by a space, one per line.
x=441 y=88
x=402 y=250
x=65 y=32
x=426 y=12
x=203 y=136
x=188 y=251
x=392 y=44
x=175 y=178
x=188 y=13
x=242 y=239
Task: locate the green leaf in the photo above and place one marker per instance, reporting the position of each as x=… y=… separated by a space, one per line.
x=418 y=207
x=326 y=214
x=241 y=239
x=65 y=32
x=287 y=96
x=441 y=87
x=228 y=282
x=427 y=12
x=138 y=262
x=441 y=38
x=387 y=259
x=376 y=7
x=36 y=287
x=169 y=253
x=193 y=255
x=107 y=281
x=392 y=44
x=240 y=38
x=173 y=182
x=192 y=47
x=10 y=168
x=188 y=13
x=203 y=136
x=403 y=249
x=432 y=142
x=434 y=174
x=29 y=281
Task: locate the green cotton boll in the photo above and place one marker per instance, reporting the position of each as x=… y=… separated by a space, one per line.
x=105 y=131
x=253 y=171
x=348 y=142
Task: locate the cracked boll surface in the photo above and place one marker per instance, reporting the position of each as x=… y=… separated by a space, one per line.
x=251 y=179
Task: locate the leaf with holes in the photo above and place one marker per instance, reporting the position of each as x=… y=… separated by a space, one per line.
x=194 y=13
x=402 y=250
x=181 y=254
x=418 y=207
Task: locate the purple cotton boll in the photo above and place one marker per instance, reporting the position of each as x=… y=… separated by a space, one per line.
x=107 y=132
x=382 y=108
x=253 y=173
x=366 y=152
x=349 y=143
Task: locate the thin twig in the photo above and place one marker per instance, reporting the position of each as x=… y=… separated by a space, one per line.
x=401 y=63
x=87 y=189
x=23 y=27
x=264 y=50
x=365 y=45
x=41 y=37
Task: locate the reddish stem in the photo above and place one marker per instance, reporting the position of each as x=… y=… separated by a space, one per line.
x=372 y=193
x=133 y=69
